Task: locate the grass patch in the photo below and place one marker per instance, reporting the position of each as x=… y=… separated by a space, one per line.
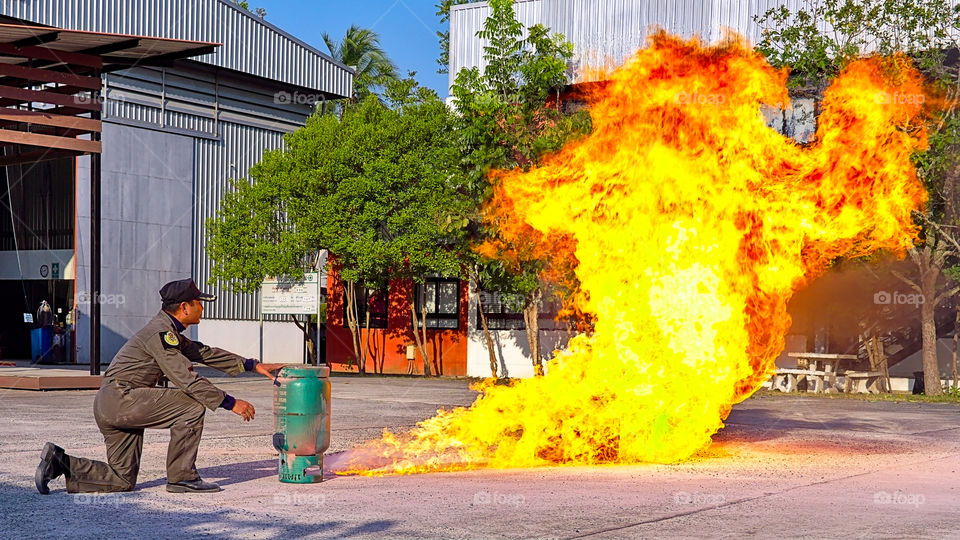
x=895 y=397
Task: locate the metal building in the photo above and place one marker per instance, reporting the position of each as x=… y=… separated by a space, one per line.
x=173 y=137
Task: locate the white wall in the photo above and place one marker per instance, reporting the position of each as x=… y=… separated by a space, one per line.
x=914 y=362
x=513 y=348
x=282 y=341
x=29 y=263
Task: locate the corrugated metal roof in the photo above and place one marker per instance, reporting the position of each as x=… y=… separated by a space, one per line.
x=251 y=44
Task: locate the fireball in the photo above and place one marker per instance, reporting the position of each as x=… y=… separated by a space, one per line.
x=692 y=223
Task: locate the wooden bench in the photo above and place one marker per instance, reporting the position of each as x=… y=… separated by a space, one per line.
x=863 y=382
x=788 y=380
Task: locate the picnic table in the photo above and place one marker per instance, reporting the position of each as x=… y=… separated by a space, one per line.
x=819 y=370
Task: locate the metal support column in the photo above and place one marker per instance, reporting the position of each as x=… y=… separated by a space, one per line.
x=95 y=250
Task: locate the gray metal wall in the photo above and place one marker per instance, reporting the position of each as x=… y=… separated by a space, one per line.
x=249 y=44
x=609 y=30
x=146 y=229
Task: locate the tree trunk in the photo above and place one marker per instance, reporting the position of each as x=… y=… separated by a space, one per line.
x=881 y=362
x=929 y=261
x=421 y=344
x=352 y=322
x=366 y=339
x=423 y=338
x=956 y=334
x=307 y=338
x=928 y=328
x=531 y=317
x=486 y=334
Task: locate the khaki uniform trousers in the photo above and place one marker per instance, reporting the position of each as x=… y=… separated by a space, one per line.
x=122 y=414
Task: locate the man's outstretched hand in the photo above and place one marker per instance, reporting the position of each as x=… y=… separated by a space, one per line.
x=244 y=409
x=267 y=370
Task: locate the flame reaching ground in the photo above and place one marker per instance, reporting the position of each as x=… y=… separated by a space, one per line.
x=693 y=225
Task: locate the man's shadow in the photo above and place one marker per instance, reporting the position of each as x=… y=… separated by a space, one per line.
x=233 y=473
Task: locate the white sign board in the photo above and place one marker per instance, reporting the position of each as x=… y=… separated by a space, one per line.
x=286 y=297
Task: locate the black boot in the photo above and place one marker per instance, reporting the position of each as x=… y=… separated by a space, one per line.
x=53 y=463
x=193 y=486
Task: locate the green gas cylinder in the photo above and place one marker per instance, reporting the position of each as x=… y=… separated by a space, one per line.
x=301 y=408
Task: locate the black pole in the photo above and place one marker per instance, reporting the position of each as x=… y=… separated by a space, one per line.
x=95 y=249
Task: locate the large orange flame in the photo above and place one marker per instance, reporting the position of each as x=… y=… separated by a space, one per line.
x=693 y=225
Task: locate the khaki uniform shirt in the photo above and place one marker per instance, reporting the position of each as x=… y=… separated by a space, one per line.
x=159 y=349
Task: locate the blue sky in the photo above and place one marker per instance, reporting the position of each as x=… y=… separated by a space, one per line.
x=407 y=29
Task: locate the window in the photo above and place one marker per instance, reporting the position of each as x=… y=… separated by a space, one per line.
x=505 y=312
x=367 y=300
x=442 y=298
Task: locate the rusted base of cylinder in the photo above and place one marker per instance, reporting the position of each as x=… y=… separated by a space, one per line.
x=301 y=469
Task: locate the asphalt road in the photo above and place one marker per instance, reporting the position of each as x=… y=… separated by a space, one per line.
x=783 y=467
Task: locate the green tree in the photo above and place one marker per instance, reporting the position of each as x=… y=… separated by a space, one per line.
x=261 y=12
x=360 y=48
x=443 y=11
x=509 y=116
x=374 y=187
x=818 y=40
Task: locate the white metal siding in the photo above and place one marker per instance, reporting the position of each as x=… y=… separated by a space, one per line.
x=605 y=31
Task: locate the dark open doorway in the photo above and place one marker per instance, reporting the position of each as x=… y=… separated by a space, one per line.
x=14 y=332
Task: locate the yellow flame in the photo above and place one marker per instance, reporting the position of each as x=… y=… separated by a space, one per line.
x=693 y=223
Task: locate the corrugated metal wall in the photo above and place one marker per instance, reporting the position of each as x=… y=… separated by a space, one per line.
x=250 y=44
x=606 y=32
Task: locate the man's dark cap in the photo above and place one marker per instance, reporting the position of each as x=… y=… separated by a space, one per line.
x=183 y=290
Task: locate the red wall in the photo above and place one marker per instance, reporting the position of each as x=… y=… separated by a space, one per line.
x=387 y=347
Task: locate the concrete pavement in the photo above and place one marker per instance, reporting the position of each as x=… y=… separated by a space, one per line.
x=784 y=467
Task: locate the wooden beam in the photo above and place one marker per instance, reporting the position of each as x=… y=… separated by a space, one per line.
x=43 y=130
x=94 y=51
x=46 y=119
x=160 y=58
x=67 y=111
x=49 y=141
x=44 y=53
x=12 y=95
x=112 y=47
x=38 y=39
x=36 y=156
x=47 y=75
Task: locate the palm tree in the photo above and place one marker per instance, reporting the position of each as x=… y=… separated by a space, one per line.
x=360 y=48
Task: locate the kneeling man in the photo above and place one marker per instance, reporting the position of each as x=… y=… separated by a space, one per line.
x=129 y=401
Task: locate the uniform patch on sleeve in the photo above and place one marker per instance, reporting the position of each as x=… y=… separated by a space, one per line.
x=170 y=340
